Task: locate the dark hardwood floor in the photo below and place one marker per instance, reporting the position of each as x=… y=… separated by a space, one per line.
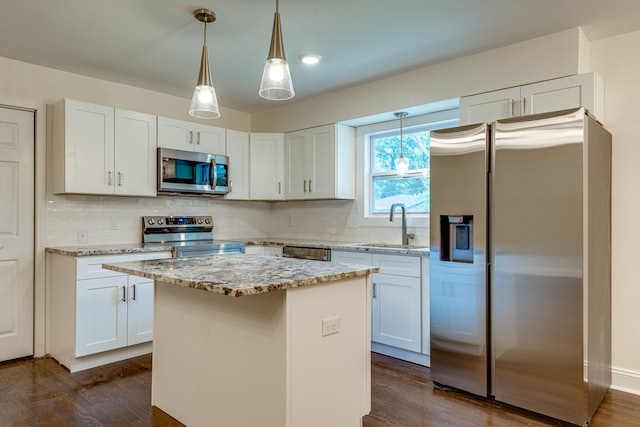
x=42 y=393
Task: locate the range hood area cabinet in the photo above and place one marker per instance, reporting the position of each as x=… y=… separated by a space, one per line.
x=266 y=166
x=320 y=163
x=188 y=136
x=238 y=153
x=103 y=150
x=582 y=90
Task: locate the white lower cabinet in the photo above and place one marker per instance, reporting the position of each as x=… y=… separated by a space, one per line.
x=399 y=303
x=395 y=311
x=98 y=316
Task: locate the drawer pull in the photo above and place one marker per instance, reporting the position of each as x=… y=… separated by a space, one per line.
x=124 y=294
x=134 y=293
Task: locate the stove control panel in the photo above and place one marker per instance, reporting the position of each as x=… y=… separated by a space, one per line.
x=177 y=221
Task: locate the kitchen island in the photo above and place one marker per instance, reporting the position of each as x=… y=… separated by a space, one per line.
x=243 y=340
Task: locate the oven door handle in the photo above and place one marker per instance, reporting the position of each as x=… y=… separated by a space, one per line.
x=214 y=174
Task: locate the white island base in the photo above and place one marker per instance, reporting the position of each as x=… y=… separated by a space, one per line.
x=262 y=360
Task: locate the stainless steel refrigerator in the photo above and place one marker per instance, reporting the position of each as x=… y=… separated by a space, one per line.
x=520 y=264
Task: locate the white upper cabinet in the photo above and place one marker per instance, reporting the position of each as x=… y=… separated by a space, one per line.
x=320 y=163
x=583 y=90
x=135 y=153
x=102 y=150
x=266 y=160
x=188 y=136
x=238 y=152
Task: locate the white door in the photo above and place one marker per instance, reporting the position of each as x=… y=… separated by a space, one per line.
x=16 y=233
x=559 y=94
x=139 y=310
x=101 y=314
x=135 y=153
x=490 y=106
x=266 y=159
x=321 y=163
x=238 y=152
x=176 y=134
x=209 y=139
x=295 y=163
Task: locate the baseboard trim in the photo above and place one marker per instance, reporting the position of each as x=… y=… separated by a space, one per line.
x=402 y=354
x=625 y=380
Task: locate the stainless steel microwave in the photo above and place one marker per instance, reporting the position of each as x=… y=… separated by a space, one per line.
x=190 y=172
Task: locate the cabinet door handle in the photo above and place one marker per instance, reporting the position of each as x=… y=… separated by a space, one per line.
x=524 y=105
x=133 y=297
x=279 y=188
x=375 y=288
x=109 y=178
x=190 y=137
x=120 y=179
x=305 y=185
x=124 y=294
x=198 y=138
x=230 y=186
x=513 y=108
x=310 y=186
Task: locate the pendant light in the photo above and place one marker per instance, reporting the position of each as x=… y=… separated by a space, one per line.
x=402 y=163
x=204 y=103
x=276 y=82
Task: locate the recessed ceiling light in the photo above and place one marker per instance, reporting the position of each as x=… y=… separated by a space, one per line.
x=309 y=58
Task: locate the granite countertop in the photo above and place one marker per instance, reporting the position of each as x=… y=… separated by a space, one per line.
x=134 y=248
x=241 y=275
x=346 y=246
x=92 y=250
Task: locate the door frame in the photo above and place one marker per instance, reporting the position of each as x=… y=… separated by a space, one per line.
x=40 y=170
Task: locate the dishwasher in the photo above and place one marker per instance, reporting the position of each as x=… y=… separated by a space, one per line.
x=302 y=252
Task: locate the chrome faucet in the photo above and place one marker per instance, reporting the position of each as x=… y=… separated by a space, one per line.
x=405 y=236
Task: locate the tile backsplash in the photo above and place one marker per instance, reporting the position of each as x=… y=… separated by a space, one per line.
x=113 y=220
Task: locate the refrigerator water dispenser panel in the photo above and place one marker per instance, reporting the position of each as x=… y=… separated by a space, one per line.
x=456 y=244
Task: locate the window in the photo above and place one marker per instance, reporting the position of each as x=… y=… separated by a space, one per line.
x=385 y=187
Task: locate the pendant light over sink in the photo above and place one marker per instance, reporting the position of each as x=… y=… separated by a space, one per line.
x=204 y=103
x=402 y=163
x=276 y=82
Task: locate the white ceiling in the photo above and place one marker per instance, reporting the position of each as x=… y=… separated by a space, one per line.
x=156 y=44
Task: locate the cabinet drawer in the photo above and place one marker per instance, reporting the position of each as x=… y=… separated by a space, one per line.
x=91 y=267
x=399 y=265
x=350 y=257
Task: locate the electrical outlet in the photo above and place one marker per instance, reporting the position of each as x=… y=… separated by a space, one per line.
x=330 y=326
x=114 y=223
x=83 y=236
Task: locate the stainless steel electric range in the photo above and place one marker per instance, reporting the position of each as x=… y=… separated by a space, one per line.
x=191 y=235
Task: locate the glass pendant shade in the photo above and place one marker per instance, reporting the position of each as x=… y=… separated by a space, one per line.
x=276 y=81
x=204 y=103
x=402 y=165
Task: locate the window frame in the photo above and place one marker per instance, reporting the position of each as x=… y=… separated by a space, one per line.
x=412 y=173
x=430 y=121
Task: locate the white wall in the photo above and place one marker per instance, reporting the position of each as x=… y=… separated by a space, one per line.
x=617 y=62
